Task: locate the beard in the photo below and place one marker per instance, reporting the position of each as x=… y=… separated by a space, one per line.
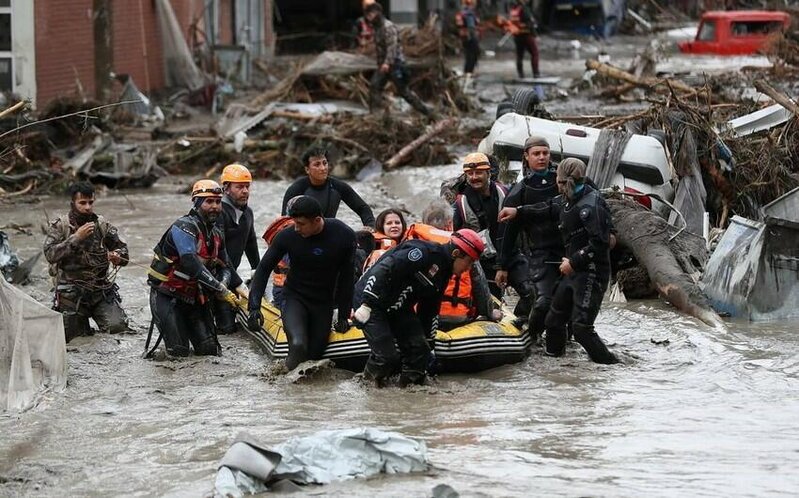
x=80 y=219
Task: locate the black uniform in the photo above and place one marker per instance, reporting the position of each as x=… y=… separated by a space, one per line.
x=585 y=225
x=191 y=254
x=413 y=274
x=480 y=213
x=321 y=275
x=238 y=228
x=329 y=197
x=541 y=242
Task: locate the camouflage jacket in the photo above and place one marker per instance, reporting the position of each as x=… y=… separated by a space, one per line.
x=82 y=262
x=387 y=42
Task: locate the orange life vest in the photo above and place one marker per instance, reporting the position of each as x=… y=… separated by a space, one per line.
x=517 y=25
x=382 y=244
x=457 y=301
x=279 y=273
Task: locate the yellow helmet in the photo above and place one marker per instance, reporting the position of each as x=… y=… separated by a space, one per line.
x=236 y=173
x=206 y=188
x=476 y=161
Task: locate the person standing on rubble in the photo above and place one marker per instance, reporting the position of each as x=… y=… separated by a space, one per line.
x=329 y=192
x=524 y=29
x=542 y=242
x=79 y=247
x=467 y=23
x=398 y=301
x=586 y=227
x=390 y=63
x=190 y=266
x=238 y=228
x=321 y=276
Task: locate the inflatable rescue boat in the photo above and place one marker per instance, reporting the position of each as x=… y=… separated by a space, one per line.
x=472 y=347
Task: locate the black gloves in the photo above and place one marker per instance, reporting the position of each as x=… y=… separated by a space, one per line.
x=341 y=326
x=255 y=320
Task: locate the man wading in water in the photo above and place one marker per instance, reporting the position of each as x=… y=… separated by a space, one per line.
x=321 y=276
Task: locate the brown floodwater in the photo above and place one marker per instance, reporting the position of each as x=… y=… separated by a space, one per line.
x=692 y=411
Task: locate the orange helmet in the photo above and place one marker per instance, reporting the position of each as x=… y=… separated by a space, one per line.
x=236 y=173
x=275 y=227
x=366 y=3
x=469 y=242
x=206 y=188
x=476 y=161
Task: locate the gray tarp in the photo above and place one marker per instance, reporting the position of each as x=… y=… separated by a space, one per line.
x=320 y=458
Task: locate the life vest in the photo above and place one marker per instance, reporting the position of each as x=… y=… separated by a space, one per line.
x=366 y=34
x=165 y=276
x=382 y=244
x=518 y=24
x=278 y=274
x=457 y=302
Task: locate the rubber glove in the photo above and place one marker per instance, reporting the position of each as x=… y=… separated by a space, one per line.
x=255 y=320
x=341 y=326
x=362 y=314
x=230 y=297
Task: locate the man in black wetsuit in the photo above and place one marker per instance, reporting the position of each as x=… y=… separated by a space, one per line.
x=542 y=242
x=238 y=228
x=398 y=300
x=322 y=253
x=329 y=192
x=585 y=226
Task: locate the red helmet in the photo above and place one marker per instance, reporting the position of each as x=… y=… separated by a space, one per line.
x=469 y=242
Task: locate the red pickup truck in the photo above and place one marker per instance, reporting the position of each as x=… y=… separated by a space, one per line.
x=735 y=32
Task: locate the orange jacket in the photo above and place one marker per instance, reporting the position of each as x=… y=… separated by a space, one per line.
x=382 y=244
x=279 y=274
x=457 y=301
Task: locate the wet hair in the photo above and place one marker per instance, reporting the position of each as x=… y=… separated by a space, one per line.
x=381 y=219
x=373 y=7
x=314 y=151
x=304 y=206
x=85 y=189
x=438 y=214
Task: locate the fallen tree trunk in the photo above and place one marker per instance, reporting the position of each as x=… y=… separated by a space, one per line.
x=621 y=75
x=406 y=151
x=672 y=265
x=778 y=97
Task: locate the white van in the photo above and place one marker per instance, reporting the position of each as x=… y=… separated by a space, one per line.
x=643 y=168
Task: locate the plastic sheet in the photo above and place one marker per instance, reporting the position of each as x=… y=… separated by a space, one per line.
x=320 y=458
x=32 y=350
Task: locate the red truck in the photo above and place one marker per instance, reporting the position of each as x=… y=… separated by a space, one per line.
x=735 y=32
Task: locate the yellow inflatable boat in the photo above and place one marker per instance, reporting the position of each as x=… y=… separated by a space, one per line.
x=473 y=347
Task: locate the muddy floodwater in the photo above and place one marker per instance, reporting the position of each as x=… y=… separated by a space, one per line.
x=691 y=412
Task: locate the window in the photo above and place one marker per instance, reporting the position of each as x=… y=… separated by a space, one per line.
x=707 y=31
x=6 y=57
x=755 y=28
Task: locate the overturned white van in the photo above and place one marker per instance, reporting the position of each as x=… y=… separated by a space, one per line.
x=636 y=163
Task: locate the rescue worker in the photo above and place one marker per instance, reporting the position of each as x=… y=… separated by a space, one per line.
x=467 y=296
x=398 y=301
x=467 y=22
x=390 y=63
x=190 y=266
x=322 y=253
x=524 y=29
x=541 y=243
x=477 y=208
x=364 y=33
x=585 y=226
x=329 y=192
x=79 y=247
x=391 y=228
x=238 y=228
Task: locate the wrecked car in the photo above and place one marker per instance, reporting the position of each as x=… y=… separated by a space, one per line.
x=740 y=32
x=643 y=166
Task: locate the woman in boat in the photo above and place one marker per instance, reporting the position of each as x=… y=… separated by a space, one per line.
x=391 y=227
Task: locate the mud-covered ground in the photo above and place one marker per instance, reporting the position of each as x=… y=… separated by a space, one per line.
x=691 y=411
